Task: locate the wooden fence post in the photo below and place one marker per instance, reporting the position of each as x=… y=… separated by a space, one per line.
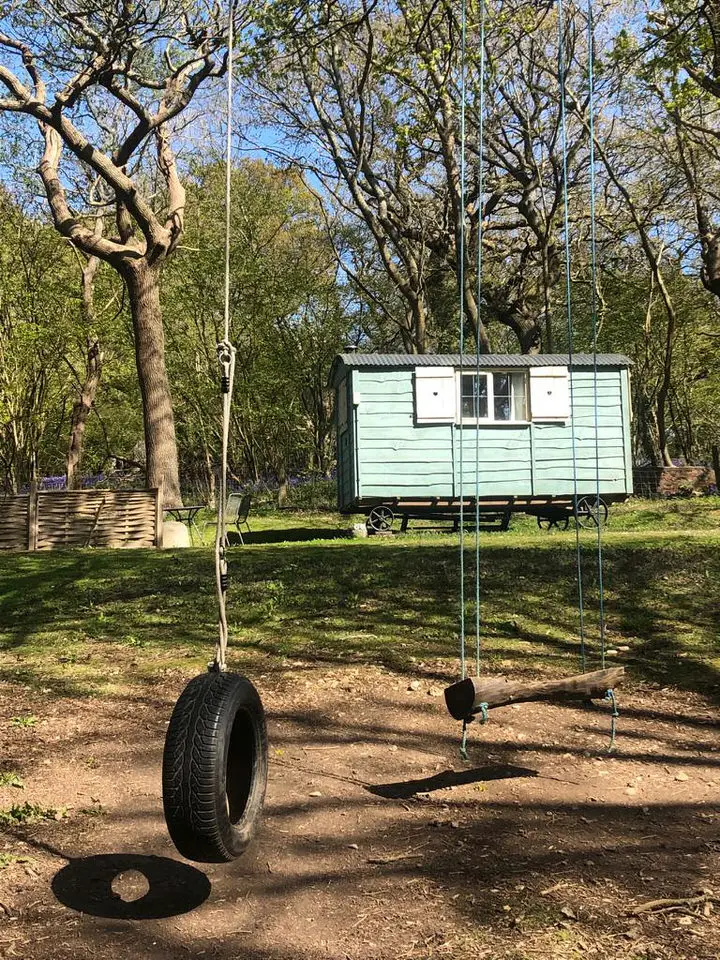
x=33 y=508
x=159 y=516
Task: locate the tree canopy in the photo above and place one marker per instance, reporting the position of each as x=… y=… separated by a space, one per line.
x=349 y=214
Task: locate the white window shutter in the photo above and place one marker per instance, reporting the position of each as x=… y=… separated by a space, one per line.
x=435 y=394
x=549 y=393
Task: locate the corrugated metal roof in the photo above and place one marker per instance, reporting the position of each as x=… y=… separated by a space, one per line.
x=406 y=360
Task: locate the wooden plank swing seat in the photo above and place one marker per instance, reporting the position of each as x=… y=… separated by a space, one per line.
x=467 y=697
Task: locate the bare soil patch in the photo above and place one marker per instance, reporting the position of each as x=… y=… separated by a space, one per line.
x=378 y=840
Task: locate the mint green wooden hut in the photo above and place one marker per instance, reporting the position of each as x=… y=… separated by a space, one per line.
x=407 y=424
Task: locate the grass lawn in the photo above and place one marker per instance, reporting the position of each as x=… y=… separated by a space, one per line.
x=378 y=841
x=87 y=621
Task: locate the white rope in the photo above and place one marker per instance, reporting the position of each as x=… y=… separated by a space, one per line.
x=226 y=359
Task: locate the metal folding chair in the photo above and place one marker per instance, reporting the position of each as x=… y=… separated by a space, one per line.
x=237 y=511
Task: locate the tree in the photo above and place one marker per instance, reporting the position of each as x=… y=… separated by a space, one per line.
x=124 y=74
x=288 y=321
x=33 y=308
x=373 y=93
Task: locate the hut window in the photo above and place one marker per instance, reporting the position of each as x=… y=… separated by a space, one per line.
x=495 y=397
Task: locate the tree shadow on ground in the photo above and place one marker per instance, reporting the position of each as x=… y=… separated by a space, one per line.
x=386 y=603
x=407 y=860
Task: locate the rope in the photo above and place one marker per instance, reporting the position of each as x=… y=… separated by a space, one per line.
x=226 y=359
x=593 y=308
x=562 y=72
x=481 y=193
x=461 y=283
x=463 y=742
x=610 y=696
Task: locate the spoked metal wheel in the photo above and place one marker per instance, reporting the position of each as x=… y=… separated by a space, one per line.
x=559 y=522
x=591 y=513
x=380 y=519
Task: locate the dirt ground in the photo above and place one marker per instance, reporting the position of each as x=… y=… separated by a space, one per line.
x=378 y=840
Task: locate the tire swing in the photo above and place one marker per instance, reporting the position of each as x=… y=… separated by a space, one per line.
x=214 y=771
x=476 y=695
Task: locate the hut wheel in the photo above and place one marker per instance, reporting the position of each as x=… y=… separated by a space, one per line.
x=559 y=522
x=591 y=512
x=380 y=519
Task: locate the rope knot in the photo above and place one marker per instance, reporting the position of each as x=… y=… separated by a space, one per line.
x=226 y=359
x=610 y=696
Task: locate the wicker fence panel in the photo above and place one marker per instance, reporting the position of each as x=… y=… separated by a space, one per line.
x=14 y=523
x=48 y=520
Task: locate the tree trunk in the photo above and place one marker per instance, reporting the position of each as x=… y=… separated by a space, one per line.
x=82 y=409
x=210 y=476
x=661 y=418
x=282 y=487
x=716 y=466
x=161 y=454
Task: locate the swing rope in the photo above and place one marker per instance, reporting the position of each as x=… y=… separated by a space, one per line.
x=461 y=285
x=593 y=309
x=480 y=199
x=476 y=387
x=226 y=359
x=562 y=76
x=610 y=695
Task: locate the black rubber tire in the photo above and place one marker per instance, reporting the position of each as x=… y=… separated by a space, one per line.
x=215 y=767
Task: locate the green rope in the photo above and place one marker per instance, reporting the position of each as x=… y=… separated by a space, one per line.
x=593 y=309
x=484 y=717
x=610 y=697
x=461 y=285
x=562 y=74
x=463 y=742
x=481 y=193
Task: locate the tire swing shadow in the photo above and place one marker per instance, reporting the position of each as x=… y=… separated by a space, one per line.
x=126 y=886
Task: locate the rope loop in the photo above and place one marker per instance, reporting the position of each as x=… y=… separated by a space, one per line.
x=484 y=716
x=611 y=698
x=226 y=359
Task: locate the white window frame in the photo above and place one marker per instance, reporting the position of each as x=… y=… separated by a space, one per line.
x=490 y=419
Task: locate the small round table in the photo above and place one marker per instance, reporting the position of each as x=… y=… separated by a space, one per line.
x=186 y=515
